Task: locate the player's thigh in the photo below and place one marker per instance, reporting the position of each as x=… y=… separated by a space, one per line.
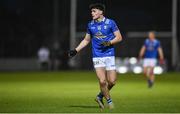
x=111 y=76
x=101 y=73
x=145 y=69
x=151 y=68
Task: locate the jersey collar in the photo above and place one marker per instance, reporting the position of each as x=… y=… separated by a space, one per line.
x=100 y=21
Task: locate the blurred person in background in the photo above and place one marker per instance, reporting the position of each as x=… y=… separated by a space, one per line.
x=43 y=58
x=150 y=51
x=103 y=34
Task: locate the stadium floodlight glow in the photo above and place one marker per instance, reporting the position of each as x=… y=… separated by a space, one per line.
x=118 y=61
x=126 y=61
x=122 y=69
x=158 y=70
x=137 y=70
x=132 y=60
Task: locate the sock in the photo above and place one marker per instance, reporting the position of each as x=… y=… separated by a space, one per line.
x=109 y=101
x=150 y=83
x=100 y=95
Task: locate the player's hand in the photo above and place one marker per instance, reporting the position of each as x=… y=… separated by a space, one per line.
x=139 y=58
x=106 y=43
x=72 y=53
x=161 y=61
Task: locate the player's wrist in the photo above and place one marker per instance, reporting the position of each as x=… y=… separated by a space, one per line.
x=161 y=60
x=140 y=57
x=72 y=53
x=106 y=43
x=110 y=42
x=75 y=50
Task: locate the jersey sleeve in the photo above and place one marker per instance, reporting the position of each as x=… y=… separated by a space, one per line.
x=145 y=42
x=88 y=29
x=158 y=44
x=114 y=27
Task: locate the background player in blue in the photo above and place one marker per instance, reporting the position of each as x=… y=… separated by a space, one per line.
x=150 y=51
x=103 y=34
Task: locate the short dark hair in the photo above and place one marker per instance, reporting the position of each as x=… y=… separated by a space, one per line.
x=98 y=6
x=152 y=31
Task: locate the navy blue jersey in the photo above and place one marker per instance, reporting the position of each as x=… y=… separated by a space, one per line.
x=100 y=32
x=151 y=48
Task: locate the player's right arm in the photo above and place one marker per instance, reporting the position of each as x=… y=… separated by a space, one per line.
x=82 y=44
x=141 y=53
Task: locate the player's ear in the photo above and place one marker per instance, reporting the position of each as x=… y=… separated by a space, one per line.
x=101 y=12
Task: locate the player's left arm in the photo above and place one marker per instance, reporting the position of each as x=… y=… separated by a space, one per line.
x=117 y=34
x=161 y=55
x=118 y=37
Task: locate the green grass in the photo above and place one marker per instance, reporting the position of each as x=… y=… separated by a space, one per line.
x=75 y=92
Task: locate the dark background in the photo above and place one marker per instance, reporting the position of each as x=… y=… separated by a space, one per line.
x=26 y=25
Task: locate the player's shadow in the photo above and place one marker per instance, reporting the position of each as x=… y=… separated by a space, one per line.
x=83 y=106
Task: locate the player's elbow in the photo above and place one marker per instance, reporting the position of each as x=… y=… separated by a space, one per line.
x=119 y=38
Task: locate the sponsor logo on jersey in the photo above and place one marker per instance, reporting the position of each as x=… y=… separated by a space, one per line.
x=99 y=27
x=99 y=35
x=105 y=27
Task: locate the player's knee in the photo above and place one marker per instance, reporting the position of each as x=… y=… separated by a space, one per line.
x=112 y=82
x=102 y=82
x=152 y=72
x=145 y=73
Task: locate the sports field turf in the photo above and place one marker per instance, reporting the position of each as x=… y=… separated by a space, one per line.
x=75 y=92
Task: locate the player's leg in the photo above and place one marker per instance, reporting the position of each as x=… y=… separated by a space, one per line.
x=111 y=71
x=101 y=75
x=145 y=67
x=111 y=81
x=145 y=72
x=151 y=77
x=111 y=78
x=99 y=66
x=150 y=71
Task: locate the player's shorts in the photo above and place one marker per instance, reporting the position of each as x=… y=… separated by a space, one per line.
x=107 y=62
x=149 y=62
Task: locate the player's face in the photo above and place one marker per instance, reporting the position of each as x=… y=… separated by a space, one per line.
x=151 y=35
x=96 y=13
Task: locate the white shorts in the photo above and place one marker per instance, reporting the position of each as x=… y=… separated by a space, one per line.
x=149 y=62
x=107 y=62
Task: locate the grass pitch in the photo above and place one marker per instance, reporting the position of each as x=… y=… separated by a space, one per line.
x=56 y=92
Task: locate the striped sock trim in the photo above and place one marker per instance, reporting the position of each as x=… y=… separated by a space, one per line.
x=109 y=101
x=100 y=95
